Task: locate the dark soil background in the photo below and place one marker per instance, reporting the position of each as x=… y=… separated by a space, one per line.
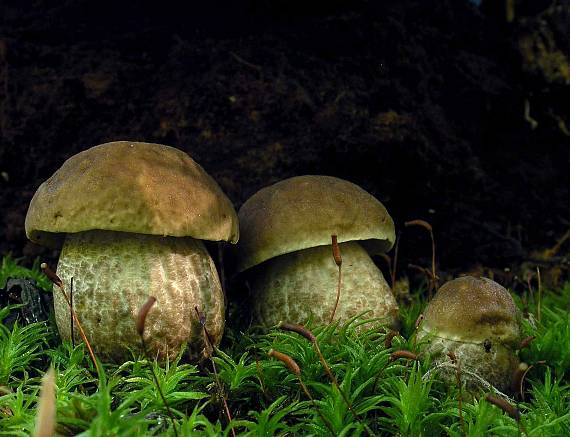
x=445 y=111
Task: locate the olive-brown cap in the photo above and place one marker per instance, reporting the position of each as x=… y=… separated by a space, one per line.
x=131 y=187
x=303 y=212
x=472 y=310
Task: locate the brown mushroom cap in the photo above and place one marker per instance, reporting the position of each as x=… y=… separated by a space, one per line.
x=472 y=310
x=303 y=212
x=133 y=187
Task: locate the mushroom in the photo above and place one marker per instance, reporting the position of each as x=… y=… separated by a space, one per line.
x=129 y=218
x=285 y=251
x=476 y=321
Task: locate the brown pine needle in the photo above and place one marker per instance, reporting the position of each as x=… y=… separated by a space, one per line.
x=389 y=337
x=51 y=275
x=421 y=223
x=526 y=342
x=141 y=317
x=287 y=360
x=299 y=329
x=336 y=251
x=338 y=261
x=407 y=355
x=508 y=408
x=504 y=405
x=46 y=409
x=518 y=378
x=523 y=377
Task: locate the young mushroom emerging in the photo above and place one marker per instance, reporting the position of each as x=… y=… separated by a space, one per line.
x=129 y=218
x=476 y=321
x=285 y=247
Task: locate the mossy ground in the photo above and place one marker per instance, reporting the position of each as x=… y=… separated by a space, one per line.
x=264 y=398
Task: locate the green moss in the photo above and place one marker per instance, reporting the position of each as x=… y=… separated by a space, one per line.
x=387 y=397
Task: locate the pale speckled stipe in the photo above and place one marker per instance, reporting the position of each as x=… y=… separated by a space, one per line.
x=114 y=273
x=303 y=284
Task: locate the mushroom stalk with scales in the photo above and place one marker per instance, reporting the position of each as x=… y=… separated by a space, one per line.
x=129 y=218
x=285 y=251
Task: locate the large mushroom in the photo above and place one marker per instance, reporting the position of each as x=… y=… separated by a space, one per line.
x=129 y=218
x=477 y=321
x=286 y=254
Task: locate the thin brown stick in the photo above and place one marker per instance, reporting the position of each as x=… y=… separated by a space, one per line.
x=143 y=312
x=523 y=377
x=289 y=362
x=210 y=347
x=58 y=282
x=504 y=405
x=299 y=329
x=518 y=376
x=408 y=355
x=336 y=250
x=140 y=325
x=389 y=337
x=51 y=275
x=508 y=408
x=71 y=312
x=526 y=342
x=338 y=261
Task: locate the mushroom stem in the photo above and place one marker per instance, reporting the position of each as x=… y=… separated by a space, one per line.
x=297 y=286
x=115 y=273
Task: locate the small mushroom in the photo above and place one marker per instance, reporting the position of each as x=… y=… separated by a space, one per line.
x=286 y=254
x=129 y=218
x=476 y=321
